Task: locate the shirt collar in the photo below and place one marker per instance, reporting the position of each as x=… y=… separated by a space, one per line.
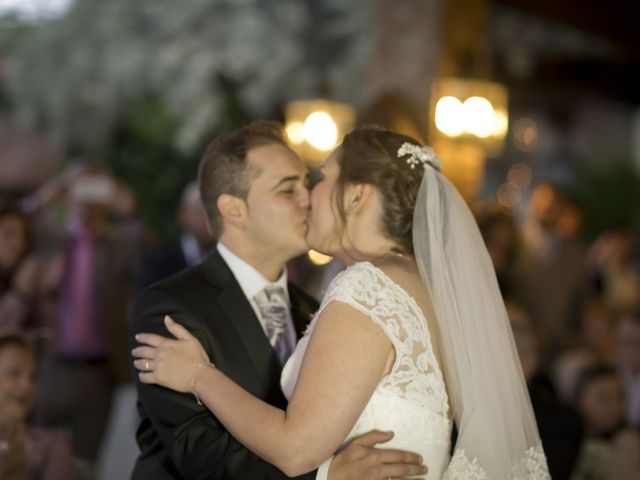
x=251 y=281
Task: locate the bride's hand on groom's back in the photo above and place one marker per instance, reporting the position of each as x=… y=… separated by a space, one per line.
x=170 y=362
x=361 y=459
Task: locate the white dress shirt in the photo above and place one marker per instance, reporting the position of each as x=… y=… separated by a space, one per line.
x=253 y=282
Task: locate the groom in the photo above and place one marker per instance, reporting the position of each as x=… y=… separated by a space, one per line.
x=244 y=312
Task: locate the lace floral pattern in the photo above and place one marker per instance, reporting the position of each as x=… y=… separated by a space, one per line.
x=462 y=468
x=532 y=466
x=411 y=400
x=416 y=375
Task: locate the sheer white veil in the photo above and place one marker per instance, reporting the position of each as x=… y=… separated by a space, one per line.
x=498 y=436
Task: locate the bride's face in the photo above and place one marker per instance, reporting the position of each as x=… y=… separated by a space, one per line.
x=323 y=227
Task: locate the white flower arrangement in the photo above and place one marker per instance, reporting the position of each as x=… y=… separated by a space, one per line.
x=418 y=155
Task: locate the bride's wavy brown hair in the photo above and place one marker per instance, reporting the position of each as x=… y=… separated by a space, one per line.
x=370 y=155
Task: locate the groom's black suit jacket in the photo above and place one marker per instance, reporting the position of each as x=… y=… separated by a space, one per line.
x=178 y=438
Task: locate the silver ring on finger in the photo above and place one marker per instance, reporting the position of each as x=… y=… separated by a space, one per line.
x=147 y=367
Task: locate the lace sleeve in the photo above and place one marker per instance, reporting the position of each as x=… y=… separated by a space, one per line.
x=415 y=375
x=361 y=287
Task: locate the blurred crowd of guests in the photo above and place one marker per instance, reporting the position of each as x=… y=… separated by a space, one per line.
x=575 y=312
x=74 y=254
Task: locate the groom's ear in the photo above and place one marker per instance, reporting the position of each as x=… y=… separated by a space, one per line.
x=357 y=196
x=233 y=209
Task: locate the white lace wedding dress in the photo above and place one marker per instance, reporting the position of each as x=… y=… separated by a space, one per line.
x=411 y=400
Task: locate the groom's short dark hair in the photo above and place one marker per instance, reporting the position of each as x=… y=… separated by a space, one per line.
x=223 y=167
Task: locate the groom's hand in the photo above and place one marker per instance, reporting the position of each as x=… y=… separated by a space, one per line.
x=360 y=459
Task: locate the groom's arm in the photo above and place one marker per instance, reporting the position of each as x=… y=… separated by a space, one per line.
x=196 y=444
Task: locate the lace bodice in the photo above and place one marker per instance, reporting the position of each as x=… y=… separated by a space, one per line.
x=415 y=375
x=411 y=399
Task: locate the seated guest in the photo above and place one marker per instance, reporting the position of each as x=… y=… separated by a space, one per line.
x=26 y=452
x=596 y=344
x=559 y=424
x=16 y=269
x=611 y=449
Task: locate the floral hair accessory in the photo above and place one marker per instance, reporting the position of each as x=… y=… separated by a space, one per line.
x=419 y=155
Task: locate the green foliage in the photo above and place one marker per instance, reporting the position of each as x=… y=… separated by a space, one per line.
x=141 y=154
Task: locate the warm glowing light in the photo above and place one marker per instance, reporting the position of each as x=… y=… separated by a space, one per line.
x=295 y=132
x=501 y=125
x=470 y=110
x=525 y=134
x=520 y=175
x=479 y=117
x=508 y=195
x=449 y=116
x=318 y=258
x=316 y=126
x=320 y=131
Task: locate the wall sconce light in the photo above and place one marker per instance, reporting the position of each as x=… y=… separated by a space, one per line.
x=315 y=127
x=470 y=110
x=468 y=121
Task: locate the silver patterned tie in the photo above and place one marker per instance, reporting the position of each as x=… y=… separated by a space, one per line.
x=274 y=308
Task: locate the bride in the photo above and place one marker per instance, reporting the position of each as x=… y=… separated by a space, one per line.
x=412 y=336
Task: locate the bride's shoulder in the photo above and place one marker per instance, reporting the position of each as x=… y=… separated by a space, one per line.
x=403 y=272
x=356 y=272
x=382 y=272
x=400 y=269
x=365 y=272
x=361 y=278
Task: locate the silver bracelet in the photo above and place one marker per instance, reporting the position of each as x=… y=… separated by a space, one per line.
x=193 y=381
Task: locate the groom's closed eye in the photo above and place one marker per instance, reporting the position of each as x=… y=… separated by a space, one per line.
x=289 y=187
x=286 y=185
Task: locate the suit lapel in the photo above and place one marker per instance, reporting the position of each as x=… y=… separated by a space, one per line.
x=242 y=318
